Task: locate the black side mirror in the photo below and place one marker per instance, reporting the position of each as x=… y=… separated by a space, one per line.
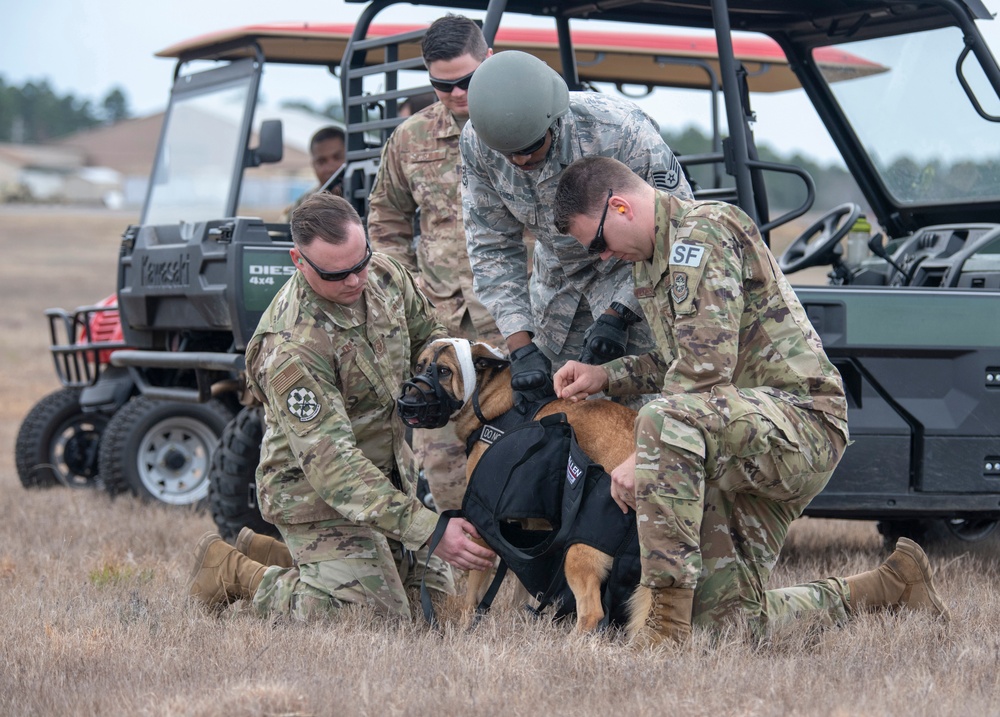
x=272 y=145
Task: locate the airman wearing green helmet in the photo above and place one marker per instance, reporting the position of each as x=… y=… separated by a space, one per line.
x=525 y=127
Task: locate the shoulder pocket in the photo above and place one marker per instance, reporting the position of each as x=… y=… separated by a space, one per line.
x=429 y=155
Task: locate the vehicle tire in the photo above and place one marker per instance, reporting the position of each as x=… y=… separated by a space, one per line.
x=58 y=443
x=161 y=450
x=938 y=533
x=232 y=485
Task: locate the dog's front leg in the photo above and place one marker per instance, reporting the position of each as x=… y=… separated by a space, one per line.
x=586 y=568
x=475 y=586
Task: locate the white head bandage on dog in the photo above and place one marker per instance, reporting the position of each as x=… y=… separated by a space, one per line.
x=463 y=352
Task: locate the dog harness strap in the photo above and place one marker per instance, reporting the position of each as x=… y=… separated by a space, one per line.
x=502 y=424
x=425 y=596
x=477 y=409
x=487 y=602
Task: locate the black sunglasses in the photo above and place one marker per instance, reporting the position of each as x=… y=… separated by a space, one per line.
x=446 y=86
x=341 y=275
x=530 y=150
x=599 y=246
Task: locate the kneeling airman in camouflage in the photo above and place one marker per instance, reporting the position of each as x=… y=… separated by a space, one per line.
x=336 y=475
x=750 y=422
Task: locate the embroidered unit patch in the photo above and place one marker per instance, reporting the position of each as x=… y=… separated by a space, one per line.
x=302 y=404
x=679 y=287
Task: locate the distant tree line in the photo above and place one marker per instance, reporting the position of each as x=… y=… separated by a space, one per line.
x=333 y=110
x=33 y=112
x=834 y=183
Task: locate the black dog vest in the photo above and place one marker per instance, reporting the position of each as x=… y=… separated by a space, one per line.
x=538 y=470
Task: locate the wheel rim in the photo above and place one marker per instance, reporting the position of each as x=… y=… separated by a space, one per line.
x=73 y=450
x=173 y=460
x=970 y=531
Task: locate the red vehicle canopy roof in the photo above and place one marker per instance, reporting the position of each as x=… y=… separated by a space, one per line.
x=659 y=59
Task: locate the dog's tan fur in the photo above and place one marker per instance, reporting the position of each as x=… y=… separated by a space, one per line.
x=604 y=431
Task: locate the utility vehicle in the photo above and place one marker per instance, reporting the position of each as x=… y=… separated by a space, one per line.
x=914 y=323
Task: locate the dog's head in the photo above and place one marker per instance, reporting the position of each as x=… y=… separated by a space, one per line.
x=445 y=378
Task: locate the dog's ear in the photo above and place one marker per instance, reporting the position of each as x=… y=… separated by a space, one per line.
x=484 y=363
x=481 y=349
x=485 y=356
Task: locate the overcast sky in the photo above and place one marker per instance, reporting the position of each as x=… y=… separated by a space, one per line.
x=86 y=47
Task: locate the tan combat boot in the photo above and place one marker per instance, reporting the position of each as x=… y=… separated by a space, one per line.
x=660 y=615
x=264 y=549
x=221 y=573
x=902 y=581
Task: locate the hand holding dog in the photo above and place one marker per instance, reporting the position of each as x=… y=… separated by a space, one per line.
x=457 y=547
x=575 y=381
x=623 y=484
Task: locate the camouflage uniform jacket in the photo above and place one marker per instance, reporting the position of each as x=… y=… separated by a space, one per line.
x=328 y=376
x=722 y=312
x=500 y=201
x=420 y=168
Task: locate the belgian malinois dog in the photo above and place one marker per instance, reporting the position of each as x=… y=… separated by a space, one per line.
x=604 y=430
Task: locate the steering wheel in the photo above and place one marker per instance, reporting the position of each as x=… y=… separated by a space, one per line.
x=814 y=246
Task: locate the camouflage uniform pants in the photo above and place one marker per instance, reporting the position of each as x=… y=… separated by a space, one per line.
x=337 y=565
x=442 y=460
x=719 y=478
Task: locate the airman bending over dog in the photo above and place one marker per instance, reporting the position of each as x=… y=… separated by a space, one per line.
x=750 y=423
x=336 y=476
x=525 y=128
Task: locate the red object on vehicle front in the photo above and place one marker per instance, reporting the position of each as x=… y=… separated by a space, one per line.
x=104 y=326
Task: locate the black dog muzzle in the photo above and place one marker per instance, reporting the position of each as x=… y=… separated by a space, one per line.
x=424 y=403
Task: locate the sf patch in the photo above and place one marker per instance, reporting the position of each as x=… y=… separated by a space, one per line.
x=679 y=290
x=686 y=255
x=302 y=403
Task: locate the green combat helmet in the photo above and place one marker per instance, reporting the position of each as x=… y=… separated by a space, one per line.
x=513 y=99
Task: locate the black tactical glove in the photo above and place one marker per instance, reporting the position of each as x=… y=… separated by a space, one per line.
x=605 y=340
x=530 y=376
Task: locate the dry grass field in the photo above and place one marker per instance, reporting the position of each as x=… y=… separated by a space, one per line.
x=94 y=621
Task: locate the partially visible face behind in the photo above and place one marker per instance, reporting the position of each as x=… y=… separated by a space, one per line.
x=332 y=258
x=457 y=101
x=327 y=158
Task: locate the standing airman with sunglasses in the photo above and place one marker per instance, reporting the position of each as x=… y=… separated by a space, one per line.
x=525 y=128
x=419 y=180
x=336 y=476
